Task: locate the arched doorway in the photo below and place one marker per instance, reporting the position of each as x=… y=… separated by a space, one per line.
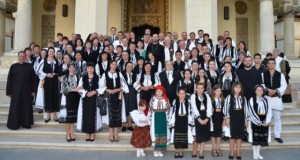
x=142 y=14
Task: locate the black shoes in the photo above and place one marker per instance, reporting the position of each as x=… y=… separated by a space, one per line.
x=239 y=157
x=47 y=120
x=231 y=157
x=130 y=128
x=123 y=129
x=279 y=140
x=27 y=127
x=201 y=157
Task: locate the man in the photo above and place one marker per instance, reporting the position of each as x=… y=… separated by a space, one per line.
x=184 y=38
x=118 y=41
x=58 y=43
x=157 y=50
x=179 y=65
x=169 y=79
x=275 y=85
x=70 y=52
x=181 y=48
x=146 y=40
x=169 y=51
x=191 y=43
x=257 y=63
x=161 y=38
x=113 y=35
x=20 y=88
x=227 y=34
x=36 y=53
x=200 y=34
x=249 y=76
x=28 y=53
x=175 y=41
x=73 y=41
x=278 y=59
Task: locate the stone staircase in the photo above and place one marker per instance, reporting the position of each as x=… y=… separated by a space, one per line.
x=52 y=134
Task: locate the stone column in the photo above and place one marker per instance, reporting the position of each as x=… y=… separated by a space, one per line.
x=23 y=25
x=2 y=27
x=91 y=16
x=289 y=36
x=266 y=19
x=202 y=14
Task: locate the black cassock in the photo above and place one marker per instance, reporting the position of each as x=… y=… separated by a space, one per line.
x=20 y=85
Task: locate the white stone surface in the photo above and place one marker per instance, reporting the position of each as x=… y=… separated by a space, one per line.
x=23 y=29
x=289 y=35
x=266 y=19
x=91 y=16
x=2 y=27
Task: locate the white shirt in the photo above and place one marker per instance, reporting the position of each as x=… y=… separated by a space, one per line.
x=170 y=76
x=192 y=45
x=167 y=54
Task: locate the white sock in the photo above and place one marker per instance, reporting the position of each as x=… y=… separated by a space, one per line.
x=258 y=152
x=254 y=152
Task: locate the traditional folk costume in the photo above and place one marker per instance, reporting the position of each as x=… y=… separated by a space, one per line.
x=226 y=83
x=189 y=85
x=116 y=104
x=39 y=100
x=201 y=108
x=235 y=109
x=88 y=117
x=69 y=100
x=159 y=121
x=80 y=67
x=181 y=123
x=217 y=117
x=101 y=68
x=130 y=97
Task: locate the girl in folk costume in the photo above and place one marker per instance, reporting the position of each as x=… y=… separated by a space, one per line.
x=181 y=122
x=130 y=98
x=260 y=115
x=114 y=84
x=235 y=114
x=159 y=108
x=141 y=138
x=138 y=69
x=227 y=79
x=187 y=83
x=69 y=101
x=156 y=65
x=89 y=118
x=202 y=111
x=39 y=100
x=49 y=70
x=103 y=64
x=217 y=120
x=145 y=83
x=201 y=78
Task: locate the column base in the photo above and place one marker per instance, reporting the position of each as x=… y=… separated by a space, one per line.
x=8 y=59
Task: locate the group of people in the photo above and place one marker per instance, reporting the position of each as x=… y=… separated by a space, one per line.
x=183 y=92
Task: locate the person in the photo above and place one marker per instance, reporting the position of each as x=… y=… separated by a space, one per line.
x=181 y=123
x=208 y=42
x=146 y=82
x=49 y=71
x=69 y=101
x=179 y=64
x=187 y=83
x=113 y=35
x=125 y=59
x=236 y=115
x=156 y=64
x=227 y=79
x=156 y=49
x=88 y=54
x=20 y=88
x=133 y=53
x=169 y=79
x=260 y=115
x=140 y=49
x=103 y=64
x=39 y=99
x=275 y=85
x=239 y=63
x=242 y=47
x=138 y=69
x=212 y=74
x=217 y=120
x=80 y=65
x=159 y=109
x=202 y=111
x=169 y=51
x=258 y=64
x=89 y=120
x=114 y=84
x=130 y=97
x=141 y=138
x=201 y=78
x=218 y=49
x=228 y=50
x=249 y=76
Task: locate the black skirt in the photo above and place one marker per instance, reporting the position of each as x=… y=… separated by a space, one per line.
x=130 y=100
x=202 y=131
x=260 y=134
x=115 y=111
x=89 y=118
x=72 y=102
x=146 y=95
x=217 y=119
x=237 y=124
x=181 y=132
x=51 y=95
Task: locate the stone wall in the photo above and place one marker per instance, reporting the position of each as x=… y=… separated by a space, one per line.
x=48 y=29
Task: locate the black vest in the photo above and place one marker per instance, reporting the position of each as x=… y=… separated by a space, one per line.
x=198 y=104
x=110 y=82
x=86 y=85
x=276 y=80
x=47 y=67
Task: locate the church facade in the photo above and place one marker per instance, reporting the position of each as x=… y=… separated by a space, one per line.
x=262 y=24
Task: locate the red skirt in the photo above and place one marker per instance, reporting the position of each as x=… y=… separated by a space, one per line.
x=141 y=137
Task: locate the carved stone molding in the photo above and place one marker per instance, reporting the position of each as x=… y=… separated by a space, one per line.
x=240 y=7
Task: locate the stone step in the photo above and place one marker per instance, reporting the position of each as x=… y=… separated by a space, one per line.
x=122 y=145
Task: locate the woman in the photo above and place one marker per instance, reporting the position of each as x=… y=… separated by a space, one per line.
x=242 y=47
x=78 y=47
x=50 y=71
x=260 y=114
x=194 y=56
x=187 y=83
x=103 y=64
x=218 y=50
x=69 y=101
x=130 y=98
x=114 y=84
x=88 y=55
x=240 y=62
x=80 y=65
x=227 y=79
x=212 y=74
x=201 y=78
x=132 y=38
x=125 y=59
x=138 y=69
x=39 y=100
x=156 y=65
x=63 y=68
x=235 y=114
x=89 y=118
x=202 y=111
x=159 y=108
x=208 y=42
x=59 y=57
x=181 y=122
x=140 y=49
x=146 y=82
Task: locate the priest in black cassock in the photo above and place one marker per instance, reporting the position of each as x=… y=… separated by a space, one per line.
x=157 y=50
x=20 y=88
x=249 y=76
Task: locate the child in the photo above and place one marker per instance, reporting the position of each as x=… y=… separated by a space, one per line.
x=159 y=107
x=217 y=120
x=140 y=138
x=235 y=113
x=202 y=111
x=181 y=122
x=260 y=115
